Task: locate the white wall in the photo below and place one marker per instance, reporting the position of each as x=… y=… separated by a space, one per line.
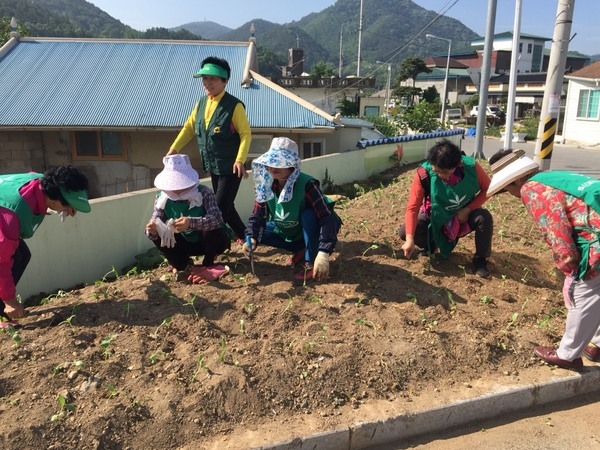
x=585 y=131
x=86 y=247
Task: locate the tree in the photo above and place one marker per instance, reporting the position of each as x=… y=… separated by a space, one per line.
x=348 y=108
x=409 y=69
x=5 y=30
x=420 y=118
x=321 y=70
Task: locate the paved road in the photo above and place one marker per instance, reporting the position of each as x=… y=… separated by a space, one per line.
x=571 y=424
x=584 y=160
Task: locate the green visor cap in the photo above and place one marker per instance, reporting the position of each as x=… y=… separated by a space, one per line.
x=211 y=69
x=76 y=199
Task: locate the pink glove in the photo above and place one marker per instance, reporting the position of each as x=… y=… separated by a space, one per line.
x=566 y=288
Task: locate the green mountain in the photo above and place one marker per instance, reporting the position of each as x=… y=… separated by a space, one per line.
x=76 y=18
x=206 y=29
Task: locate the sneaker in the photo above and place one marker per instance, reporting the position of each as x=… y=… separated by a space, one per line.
x=305 y=275
x=480 y=267
x=296 y=258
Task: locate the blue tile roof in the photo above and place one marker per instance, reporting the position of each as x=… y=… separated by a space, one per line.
x=123 y=83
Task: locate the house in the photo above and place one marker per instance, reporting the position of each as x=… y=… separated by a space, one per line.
x=582 y=111
x=113 y=107
x=465 y=71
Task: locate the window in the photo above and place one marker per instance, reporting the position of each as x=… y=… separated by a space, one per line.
x=587 y=106
x=311 y=149
x=371 y=111
x=529 y=48
x=520 y=47
x=98 y=145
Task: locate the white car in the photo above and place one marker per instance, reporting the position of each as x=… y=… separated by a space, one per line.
x=492 y=113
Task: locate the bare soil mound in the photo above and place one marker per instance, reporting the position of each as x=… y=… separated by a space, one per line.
x=143 y=361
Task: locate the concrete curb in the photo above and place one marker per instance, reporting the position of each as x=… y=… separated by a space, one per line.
x=513 y=399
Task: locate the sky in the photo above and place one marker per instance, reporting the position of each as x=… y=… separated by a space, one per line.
x=537 y=16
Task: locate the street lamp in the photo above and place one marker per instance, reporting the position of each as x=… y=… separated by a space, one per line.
x=387 y=86
x=445 y=95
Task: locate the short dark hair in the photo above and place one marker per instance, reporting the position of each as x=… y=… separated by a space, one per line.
x=67 y=177
x=444 y=154
x=223 y=64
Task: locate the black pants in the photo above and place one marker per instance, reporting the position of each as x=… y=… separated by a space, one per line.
x=226 y=188
x=21 y=259
x=480 y=220
x=210 y=244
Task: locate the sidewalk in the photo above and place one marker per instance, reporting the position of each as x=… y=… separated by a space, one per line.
x=549 y=412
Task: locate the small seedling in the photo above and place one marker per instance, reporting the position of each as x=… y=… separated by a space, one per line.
x=112 y=390
x=65 y=408
x=451 y=302
x=68 y=320
x=105 y=344
x=372 y=247
x=200 y=366
x=365 y=322
x=191 y=302
x=127 y=307
x=249 y=308
x=223 y=349
x=154 y=357
x=462 y=267
x=486 y=300
x=48 y=299
x=243 y=327
x=513 y=319
x=13 y=333
x=314 y=299
x=165 y=323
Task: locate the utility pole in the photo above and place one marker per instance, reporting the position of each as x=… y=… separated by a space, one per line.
x=341 y=52
x=512 y=84
x=554 y=83
x=360 y=24
x=485 y=79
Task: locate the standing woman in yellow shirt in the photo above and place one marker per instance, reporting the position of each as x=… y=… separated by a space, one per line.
x=221 y=127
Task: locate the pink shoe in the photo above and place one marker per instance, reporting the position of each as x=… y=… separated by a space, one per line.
x=204 y=274
x=4 y=324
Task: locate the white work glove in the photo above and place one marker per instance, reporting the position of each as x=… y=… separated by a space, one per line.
x=166 y=232
x=246 y=250
x=321 y=266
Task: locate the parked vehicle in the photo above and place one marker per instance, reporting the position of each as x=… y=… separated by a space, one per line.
x=453 y=114
x=493 y=114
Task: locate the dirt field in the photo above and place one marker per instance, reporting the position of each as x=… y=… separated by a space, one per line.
x=146 y=362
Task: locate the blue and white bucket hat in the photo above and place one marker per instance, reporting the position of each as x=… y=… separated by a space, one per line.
x=282 y=154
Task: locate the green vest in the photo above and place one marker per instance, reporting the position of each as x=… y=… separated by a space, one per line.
x=584 y=188
x=12 y=200
x=176 y=209
x=287 y=215
x=446 y=200
x=218 y=142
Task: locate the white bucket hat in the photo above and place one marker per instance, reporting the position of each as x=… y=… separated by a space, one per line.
x=283 y=153
x=178 y=174
x=510 y=168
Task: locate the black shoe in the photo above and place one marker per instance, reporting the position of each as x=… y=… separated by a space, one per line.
x=480 y=267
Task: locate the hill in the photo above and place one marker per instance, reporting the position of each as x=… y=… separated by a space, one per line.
x=77 y=18
x=206 y=29
x=143 y=361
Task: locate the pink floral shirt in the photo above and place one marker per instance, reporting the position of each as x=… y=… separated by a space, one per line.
x=556 y=214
